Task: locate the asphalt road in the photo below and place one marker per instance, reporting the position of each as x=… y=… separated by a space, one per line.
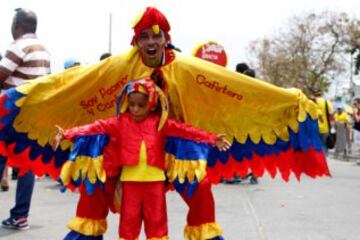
x=321 y=209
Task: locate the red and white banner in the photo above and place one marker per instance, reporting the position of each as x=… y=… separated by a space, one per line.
x=212 y=52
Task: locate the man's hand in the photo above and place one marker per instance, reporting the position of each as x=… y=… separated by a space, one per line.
x=222 y=143
x=58 y=137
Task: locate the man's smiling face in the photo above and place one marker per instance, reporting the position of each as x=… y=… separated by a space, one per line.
x=152 y=46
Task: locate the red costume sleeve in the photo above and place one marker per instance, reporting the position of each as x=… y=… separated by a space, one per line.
x=177 y=129
x=98 y=127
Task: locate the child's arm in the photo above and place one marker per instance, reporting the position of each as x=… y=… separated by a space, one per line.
x=177 y=129
x=98 y=127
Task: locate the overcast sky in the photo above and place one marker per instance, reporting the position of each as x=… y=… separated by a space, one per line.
x=79 y=29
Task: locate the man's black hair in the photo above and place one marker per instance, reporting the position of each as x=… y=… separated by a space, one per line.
x=241 y=67
x=26 y=19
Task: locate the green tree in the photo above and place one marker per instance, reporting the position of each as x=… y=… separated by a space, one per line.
x=355 y=51
x=308 y=52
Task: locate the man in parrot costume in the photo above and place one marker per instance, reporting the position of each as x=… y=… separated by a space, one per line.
x=272 y=129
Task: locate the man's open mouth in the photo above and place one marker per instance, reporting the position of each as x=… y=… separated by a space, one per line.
x=151 y=52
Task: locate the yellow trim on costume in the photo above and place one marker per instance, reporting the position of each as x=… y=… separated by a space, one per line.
x=125 y=104
x=142 y=90
x=142 y=172
x=89 y=227
x=306 y=106
x=161 y=238
x=185 y=169
x=131 y=53
x=137 y=19
x=164 y=108
x=202 y=232
x=92 y=168
x=65 y=144
x=156 y=29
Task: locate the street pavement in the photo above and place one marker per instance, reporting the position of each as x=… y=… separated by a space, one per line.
x=320 y=209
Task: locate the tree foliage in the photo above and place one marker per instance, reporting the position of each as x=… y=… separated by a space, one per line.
x=308 y=52
x=356 y=52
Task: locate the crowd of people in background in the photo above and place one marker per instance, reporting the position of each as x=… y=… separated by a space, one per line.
x=339 y=124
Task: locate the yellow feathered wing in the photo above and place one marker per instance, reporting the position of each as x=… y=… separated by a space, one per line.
x=202 y=94
x=219 y=100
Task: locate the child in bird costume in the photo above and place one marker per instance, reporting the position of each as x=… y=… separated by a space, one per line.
x=136 y=149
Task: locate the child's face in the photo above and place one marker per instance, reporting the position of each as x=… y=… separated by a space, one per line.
x=138 y=106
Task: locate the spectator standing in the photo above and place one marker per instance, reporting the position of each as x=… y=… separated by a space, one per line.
x=356 y=119
x=326 y=118
x=25 y=59
x=4 y=184
x=342 y=124
x=356 y=114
